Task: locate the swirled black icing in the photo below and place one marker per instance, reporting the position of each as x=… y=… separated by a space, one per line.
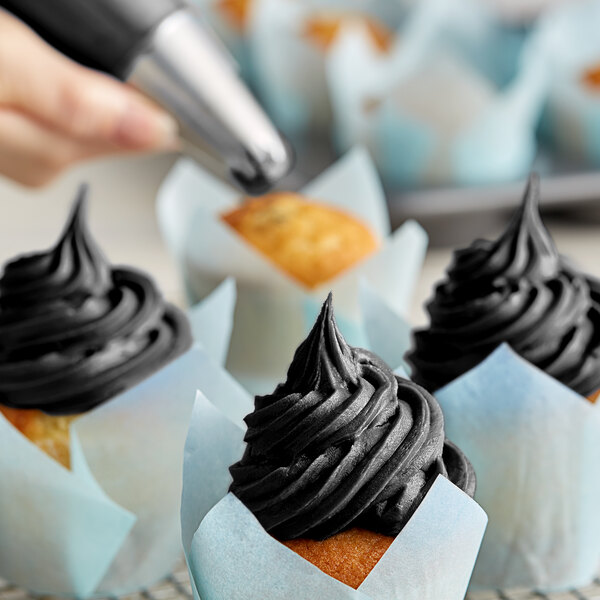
x=342 y=443
x=74 y=331
x=516 y=290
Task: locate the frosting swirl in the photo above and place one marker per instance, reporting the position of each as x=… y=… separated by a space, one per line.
x=517 y=290
x=74 y=331
x=343 y=442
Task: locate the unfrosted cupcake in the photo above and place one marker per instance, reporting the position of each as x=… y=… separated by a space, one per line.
x=310 y=241
x=516 y=290
x=236 y=12
x=324 y=27
x=321 y=27
x=75 y=332
x=339 y=457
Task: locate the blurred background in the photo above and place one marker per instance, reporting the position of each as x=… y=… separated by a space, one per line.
x=456 y=101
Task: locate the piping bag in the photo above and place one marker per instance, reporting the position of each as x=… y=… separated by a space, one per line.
x=163 y=48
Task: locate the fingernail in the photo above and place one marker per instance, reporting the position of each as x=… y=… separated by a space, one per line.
x=142 y=127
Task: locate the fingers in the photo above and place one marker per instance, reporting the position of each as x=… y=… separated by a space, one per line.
x=75 y=101
x=33 y=155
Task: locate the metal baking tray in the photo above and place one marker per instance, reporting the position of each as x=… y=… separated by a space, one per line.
x=456 y=215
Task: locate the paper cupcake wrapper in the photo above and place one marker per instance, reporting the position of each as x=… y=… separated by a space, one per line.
x=289 y=68
x=110 y=524
x=271 y=310
x=411 y=145
x=231 y=556
x=212 y=320
x=535 y=447
x=570 y=38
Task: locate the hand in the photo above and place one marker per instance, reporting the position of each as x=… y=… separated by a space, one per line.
x=54 y=112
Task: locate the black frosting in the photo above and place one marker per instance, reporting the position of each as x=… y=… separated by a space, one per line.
x=74 y=331
x=517 y=290
x=342 y=443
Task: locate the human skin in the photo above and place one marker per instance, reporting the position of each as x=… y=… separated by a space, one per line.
x=55 y=113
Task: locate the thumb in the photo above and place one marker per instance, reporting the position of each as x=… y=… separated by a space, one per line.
x=73 y=100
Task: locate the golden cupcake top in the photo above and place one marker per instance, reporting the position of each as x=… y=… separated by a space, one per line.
x=311 y=242
x=50 y=434
x=348 y=556
x=323 y=29
x=236 y=12
x=591 y=77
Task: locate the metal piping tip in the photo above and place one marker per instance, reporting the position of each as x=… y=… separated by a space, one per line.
x=187 y=72
x=266 y=173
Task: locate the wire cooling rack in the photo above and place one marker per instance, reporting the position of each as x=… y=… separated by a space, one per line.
x=590 y=592
x=177 y=587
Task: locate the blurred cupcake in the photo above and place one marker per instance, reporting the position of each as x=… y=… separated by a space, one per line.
x=290 y=41
x=75 y=333
x=572 y=120
x=98 y=372
x=235 y=11
x=324 y=28
x=517 y=290
x=591 y=77
x=340 y=461
x=457 y=102
x=286 y=251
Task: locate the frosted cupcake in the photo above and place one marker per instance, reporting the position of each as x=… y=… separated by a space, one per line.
x=516 y=290
x=340 y=456
x=75 y=333
x=346 y=483
x=98 y=375
x=512 y=351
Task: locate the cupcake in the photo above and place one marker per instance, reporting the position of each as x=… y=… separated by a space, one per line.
x=75 y=332
x=290 y=42
x=236 y=12
x=573 y=115
x=311 y=242
x=572 y=118
x=344 y=481
x=512 y=353
x=323 y=29
x=591 y=78
x=516 y=290
x=286 y=251
x=340 y=456
x=98 y=374
x=491 y=77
